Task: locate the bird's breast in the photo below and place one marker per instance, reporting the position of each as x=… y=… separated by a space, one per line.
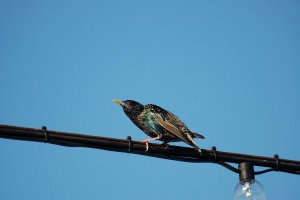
x=148 y=124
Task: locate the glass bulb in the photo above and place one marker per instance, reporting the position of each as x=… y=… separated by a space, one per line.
x=249 y=190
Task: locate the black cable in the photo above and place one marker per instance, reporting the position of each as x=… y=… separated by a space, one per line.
x=226 y=165
x=172 y=152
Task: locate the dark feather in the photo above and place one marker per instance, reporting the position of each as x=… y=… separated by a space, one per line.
x=196 y=135
x=158 y=122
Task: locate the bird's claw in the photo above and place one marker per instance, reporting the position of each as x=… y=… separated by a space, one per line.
x=147 y=146
x=165 y=145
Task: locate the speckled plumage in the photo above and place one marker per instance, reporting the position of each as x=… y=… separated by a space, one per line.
x=159 y=123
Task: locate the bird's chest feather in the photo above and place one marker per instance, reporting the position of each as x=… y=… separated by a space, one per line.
x=149 y=125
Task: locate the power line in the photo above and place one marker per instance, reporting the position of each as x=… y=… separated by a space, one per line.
x=170 y=152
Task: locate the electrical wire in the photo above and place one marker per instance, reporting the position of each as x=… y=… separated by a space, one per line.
x=178 y=153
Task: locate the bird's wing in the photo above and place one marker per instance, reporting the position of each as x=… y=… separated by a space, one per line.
x=197 y=135
x=172 y=123
x=169 y=126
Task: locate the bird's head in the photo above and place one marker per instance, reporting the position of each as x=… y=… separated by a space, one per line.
x=130 y=106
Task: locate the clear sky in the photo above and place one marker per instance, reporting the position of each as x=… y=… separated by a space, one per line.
x=229 y=69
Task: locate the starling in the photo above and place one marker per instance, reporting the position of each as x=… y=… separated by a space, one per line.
x=159 y=123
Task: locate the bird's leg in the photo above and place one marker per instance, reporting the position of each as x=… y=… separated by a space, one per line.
x=147 y=141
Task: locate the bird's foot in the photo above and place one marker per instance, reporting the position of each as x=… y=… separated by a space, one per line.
x=150 y=139
x=165 y=145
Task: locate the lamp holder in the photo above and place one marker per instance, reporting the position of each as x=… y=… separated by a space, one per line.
x=246 y=172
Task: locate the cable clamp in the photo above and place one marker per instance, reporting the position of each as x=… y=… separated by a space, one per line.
x=276 y=156
x=44 y=128
x=129 y=144
x=214 y=149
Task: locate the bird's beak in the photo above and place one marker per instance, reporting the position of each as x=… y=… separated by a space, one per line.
x=119 y=102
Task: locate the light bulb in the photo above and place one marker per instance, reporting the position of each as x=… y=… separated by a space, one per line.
x=249 y=190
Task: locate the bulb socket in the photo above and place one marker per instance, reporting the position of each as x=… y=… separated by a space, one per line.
x=246 y=172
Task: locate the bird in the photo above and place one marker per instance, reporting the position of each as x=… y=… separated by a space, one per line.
x=159 y=124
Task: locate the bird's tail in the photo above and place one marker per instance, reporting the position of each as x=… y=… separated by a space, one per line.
x=193 y=143
x=197 y=135
x=198 y=149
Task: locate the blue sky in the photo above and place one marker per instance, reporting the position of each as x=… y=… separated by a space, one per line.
x=230 y=70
